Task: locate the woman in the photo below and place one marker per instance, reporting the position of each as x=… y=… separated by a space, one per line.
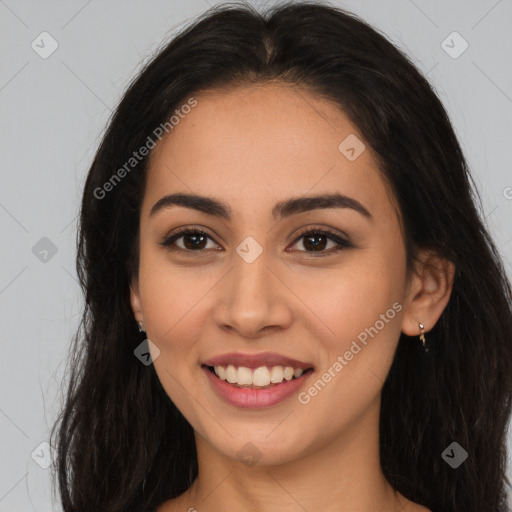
x=281 y=207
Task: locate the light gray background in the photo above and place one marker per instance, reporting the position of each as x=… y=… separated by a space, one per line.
x=54 y=110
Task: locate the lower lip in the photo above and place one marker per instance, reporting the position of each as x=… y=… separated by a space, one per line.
x=255 y=398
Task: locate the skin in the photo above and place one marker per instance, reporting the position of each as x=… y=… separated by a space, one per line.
x=252 y=147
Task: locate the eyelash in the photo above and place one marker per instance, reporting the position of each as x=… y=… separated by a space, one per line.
x=343 y=243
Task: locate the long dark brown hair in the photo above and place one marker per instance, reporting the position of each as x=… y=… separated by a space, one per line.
x=122 y=444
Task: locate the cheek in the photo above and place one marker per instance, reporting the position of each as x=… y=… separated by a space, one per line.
x=366 y=333
x=345 y=301
x=360 y=312
x=174 y=305
x=173 y=298
x=355 y=362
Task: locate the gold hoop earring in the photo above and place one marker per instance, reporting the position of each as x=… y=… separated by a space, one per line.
x=422 y=337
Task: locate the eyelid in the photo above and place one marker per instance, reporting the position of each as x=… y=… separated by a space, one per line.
x=320 y=229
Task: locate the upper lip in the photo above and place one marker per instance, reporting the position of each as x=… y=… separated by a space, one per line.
x=256 y=360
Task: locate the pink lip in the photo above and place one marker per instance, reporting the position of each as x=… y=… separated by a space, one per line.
x=255 y=398
x=256 y=360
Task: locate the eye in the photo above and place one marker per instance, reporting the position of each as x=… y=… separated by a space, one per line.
x=194 y=240
x=315 y=240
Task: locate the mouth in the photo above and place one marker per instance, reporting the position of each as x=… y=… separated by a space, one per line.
x=261 y=377
x=256 y=380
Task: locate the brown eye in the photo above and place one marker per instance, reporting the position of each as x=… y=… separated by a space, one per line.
x=317 y=240
x=194 y=240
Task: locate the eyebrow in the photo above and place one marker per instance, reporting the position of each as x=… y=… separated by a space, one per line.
x=291 y=206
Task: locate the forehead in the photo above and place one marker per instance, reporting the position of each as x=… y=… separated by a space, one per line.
x=254 y=145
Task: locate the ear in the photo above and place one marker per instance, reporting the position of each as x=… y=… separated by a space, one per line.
x=429 y=292
x=135 y=301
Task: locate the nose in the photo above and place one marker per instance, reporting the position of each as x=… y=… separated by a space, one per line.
x=253 y=300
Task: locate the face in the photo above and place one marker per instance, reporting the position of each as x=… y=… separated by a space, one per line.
x=256 y=293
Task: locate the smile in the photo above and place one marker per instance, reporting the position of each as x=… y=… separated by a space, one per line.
x=256 y=378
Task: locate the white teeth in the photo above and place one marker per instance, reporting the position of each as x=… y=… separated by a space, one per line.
x=276 y=375
x=259 y=377
x=231 y=374
x=244 y=375
x=288 y=373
